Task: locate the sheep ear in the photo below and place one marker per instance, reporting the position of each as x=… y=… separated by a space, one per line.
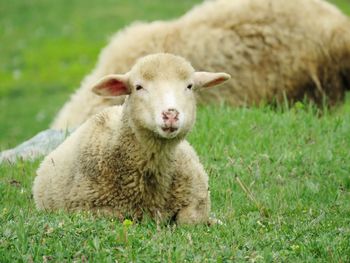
x=208 y=79
x=112 y=85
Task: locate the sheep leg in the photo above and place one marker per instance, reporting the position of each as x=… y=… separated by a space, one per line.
x=196 y=212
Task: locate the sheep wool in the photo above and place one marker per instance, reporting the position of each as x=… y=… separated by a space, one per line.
x=273 y=49
x=132 y=160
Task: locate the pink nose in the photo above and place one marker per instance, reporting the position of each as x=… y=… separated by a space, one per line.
x=170 y=116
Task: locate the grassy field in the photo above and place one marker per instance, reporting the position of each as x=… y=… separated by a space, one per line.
x=296 y=165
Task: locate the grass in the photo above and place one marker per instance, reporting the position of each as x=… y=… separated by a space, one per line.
x=295 y=164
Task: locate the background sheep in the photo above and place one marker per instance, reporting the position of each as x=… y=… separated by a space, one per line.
x=272 y=48
x=132 y=159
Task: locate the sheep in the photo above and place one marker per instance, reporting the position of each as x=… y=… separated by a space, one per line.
x=132 y=160
x=273 y=49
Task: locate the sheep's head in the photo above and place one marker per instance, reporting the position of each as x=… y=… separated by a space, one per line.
x=161 y=93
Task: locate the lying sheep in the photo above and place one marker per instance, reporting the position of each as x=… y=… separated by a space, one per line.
x=272 y=49
x=132 y=159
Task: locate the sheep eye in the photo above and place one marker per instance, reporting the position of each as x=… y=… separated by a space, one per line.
x=139 y=87
x=190 y=86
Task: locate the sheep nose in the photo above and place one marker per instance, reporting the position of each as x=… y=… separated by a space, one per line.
x=170 y=116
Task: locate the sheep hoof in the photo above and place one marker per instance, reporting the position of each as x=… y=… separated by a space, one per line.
x=214 y=221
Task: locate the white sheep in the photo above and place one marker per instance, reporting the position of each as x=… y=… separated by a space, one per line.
x=273 y=49
x=133 y=159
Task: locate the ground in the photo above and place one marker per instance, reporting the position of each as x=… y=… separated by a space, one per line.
x=279 y=178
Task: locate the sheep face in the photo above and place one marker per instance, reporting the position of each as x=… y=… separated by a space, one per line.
x=167 y=108
x=161 y=91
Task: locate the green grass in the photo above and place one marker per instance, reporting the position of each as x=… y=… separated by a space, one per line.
x=295 y=164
